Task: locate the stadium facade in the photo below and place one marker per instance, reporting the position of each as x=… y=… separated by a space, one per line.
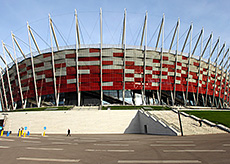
x=93 y=74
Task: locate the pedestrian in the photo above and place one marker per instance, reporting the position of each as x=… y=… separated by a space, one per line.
x=19 y=131
x=200 y=122
x=68 y=132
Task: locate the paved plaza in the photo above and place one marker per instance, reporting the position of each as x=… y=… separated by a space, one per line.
x=116 y=148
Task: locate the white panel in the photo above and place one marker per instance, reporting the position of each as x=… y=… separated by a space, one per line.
x=112 y=67
x=113 y=59
x=178 y=81
x=82 y=63
x=107 y=84
x=129 y=70
x=84 y=71
x=115 y=62
x=168 y=62
x=156 y=64
x=38 y=77
x=25 y=88
x=155 y=76
x=88 y=55
x=60 y=61
x=183 y=72
x=165 y=69
x=156 y=69
x=178 y=67
x=192 y=80
x=148 y=71
x=139 y=63
x=49 y=79
x=71 y=81
x=129 y=79
x=171 y=73
x=205 y=73
x=138 y=75
x=155 y=84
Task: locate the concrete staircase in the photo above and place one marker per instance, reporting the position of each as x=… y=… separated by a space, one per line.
x=85 y=108
x=190 y=126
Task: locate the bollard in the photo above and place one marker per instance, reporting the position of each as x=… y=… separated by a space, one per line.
x=44 y=133
x=1 y=131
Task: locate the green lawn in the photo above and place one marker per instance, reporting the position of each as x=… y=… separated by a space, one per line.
x=53 y=108
x=135 y=107
x=219 y=117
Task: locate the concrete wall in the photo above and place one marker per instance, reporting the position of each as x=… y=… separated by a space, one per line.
x=145 y=124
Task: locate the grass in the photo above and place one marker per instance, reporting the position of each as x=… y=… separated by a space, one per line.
x=219 y=117
x=135 y=107
x=103 y=108
x=54 y=108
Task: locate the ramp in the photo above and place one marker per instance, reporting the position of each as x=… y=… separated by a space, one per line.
x=190 y=125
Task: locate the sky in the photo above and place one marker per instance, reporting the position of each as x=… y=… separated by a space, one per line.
x=213 y=15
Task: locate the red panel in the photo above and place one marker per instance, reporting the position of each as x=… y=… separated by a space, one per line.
x=23 y=74
x=168 y=66
x=28 y=68
x=21 y=66
x=93 y=50
x=88 y=58
x=70 y=56
x=184 y=68
x=156 y=72
x=148 y=68
x=39 y=65
x=129 y=63
x=61 y=65
x=119 y=71
x=138 y=79
x=107 y=62
x=118 y=54
x=71 y=70
x=178 y=71
x=40 y=73
x=164 y=73
x=156 y=61
x=196 y=64
x=46 y=55
x=109 y=79
x=184 y=58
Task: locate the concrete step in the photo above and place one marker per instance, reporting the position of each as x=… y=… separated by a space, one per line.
x=189 y=125
x=86 y=108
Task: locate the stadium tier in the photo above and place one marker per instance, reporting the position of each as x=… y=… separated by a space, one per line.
x=98 y=75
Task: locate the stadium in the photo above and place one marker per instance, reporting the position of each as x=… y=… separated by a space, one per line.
x=99 y=74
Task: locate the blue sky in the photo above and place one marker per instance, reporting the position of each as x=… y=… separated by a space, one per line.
x=213 y=15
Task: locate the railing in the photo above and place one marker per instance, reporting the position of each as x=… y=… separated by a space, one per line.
x=170 y=125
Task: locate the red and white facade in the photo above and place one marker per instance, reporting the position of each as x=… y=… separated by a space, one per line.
x=113 y=73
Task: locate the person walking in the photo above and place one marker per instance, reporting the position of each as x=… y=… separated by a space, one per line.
x=68 y=132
